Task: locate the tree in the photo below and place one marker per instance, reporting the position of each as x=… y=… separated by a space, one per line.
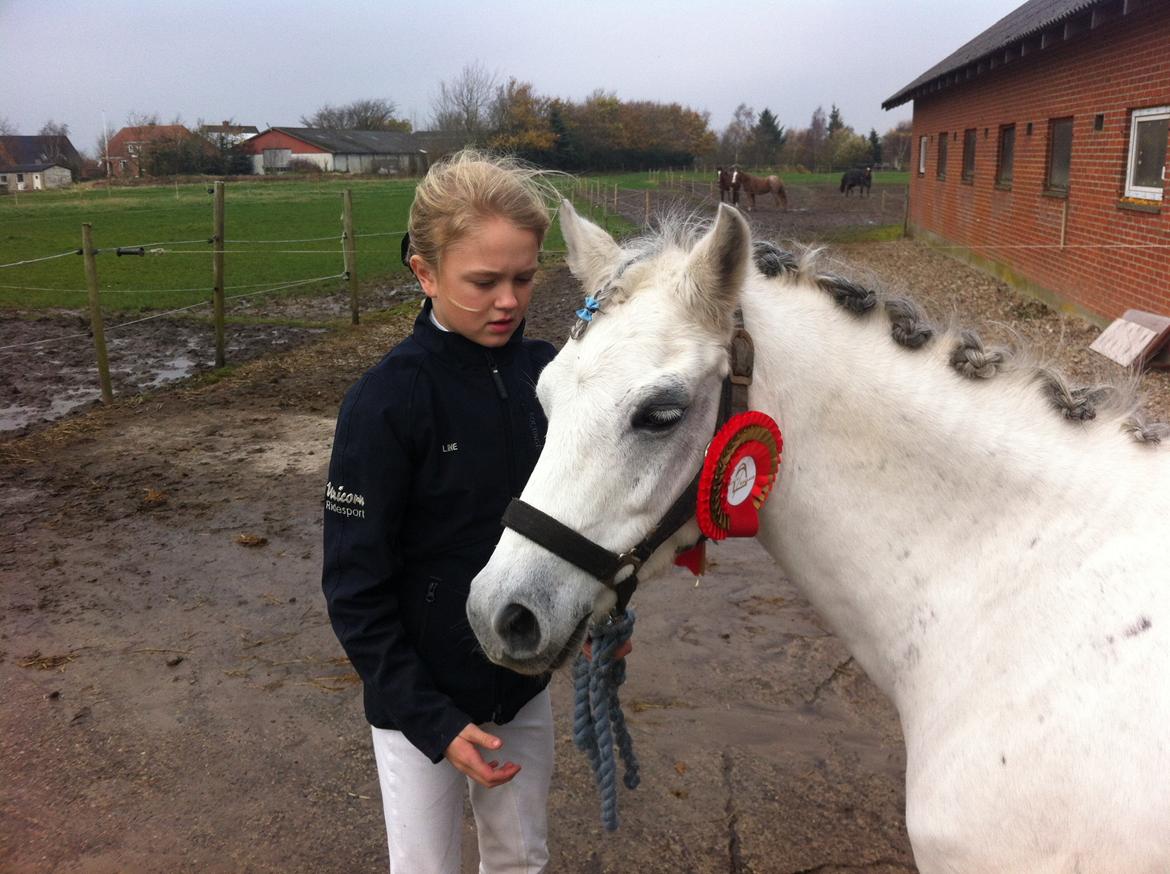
x=875 y=148
x=7 y=128
x=464 y=103
x=815 y=138
x=372 y=113
x=737 y=136
x=520 y=121
x=51 y=129
x=896 y=143
x=768 y=138
x=835 y=121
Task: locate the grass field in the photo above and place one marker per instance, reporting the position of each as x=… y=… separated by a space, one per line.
x=278 y=232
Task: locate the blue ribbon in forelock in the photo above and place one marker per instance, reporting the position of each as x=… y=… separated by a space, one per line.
x=586 y=312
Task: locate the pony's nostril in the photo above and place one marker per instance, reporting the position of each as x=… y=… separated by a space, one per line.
x=517 y=625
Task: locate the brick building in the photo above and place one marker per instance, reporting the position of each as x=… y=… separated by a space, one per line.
x=1039 y=153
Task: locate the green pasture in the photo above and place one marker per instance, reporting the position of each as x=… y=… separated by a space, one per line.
x=175 y=223
x=278 y=232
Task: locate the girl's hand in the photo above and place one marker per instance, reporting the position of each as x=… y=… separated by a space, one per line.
x=464 y=754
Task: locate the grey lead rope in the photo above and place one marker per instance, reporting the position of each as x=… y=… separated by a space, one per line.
x=598 y=721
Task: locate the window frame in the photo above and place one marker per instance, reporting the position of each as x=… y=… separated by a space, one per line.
x=940 y=172
x=1049 y=188
x=970 y=139
x=1137 y=116
x=1001 y=180
x=923 y=144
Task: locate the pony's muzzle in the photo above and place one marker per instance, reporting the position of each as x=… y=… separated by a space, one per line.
x=518 y=628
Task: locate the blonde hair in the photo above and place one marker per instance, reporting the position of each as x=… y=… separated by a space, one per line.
x=466 y=188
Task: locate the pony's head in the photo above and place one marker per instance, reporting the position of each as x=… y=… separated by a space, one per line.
x=632 y=402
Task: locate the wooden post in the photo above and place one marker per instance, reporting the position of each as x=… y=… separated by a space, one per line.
x=95 y=312
x=615 y=197
x=217 y=240
x=350 y=251
x=646 y=220
x=883 y=201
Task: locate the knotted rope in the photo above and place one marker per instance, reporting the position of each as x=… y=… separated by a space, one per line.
x=598 y=721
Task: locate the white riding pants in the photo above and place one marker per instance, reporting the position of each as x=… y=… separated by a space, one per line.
x=423 y=802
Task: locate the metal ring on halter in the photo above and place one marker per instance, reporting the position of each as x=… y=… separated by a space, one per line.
x=630 y=560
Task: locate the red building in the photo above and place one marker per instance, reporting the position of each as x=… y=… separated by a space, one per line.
x=1039 y=153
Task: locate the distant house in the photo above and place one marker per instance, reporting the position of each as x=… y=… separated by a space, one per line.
x=37 y=162
x=1040 y=153
x=392 y=153
x=128 y=150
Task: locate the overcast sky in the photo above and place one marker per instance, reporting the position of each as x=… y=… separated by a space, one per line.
x=268 y=63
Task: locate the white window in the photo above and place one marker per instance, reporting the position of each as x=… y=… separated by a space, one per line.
x=1146 y=170
x=922 y=155
x=132 y=149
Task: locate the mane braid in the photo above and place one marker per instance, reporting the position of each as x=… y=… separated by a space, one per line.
x=972 y=360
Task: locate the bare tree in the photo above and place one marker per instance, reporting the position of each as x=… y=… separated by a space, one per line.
x=464 y=103
x=896 y=143
x=7 y=128
x=738 y=135
x=374 y=113
x=51 y=129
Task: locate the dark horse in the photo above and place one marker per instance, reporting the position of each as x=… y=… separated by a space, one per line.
x=724 y=177
x=753 y=185
x=859 y=179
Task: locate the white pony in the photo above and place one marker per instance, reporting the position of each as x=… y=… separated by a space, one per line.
x=989 y=544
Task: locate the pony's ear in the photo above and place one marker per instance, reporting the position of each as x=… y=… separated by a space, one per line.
x=592 y=253
x=718 y=264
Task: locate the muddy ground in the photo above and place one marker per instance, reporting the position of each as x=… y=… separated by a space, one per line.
x=174 y=698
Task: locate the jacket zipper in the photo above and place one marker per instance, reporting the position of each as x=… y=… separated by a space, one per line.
x=502 y=393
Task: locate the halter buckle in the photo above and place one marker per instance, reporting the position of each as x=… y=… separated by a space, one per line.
x=630 y=560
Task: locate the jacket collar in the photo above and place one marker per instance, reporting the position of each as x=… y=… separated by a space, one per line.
x=457 y=348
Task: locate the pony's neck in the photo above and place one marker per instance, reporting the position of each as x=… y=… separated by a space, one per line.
x=891 y=461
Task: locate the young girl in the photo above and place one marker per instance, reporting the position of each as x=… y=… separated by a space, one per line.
x=431 y=444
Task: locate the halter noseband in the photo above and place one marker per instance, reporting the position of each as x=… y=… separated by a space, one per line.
x=597 y=561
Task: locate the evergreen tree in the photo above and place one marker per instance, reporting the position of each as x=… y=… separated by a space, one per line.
x=875 y=148
x=769 y=137
x=835 y=121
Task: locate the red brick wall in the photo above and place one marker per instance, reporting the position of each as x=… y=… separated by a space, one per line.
x=1122 y=65
x=274 y=139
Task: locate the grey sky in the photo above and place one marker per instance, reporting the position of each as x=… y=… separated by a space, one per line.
x=267 y=63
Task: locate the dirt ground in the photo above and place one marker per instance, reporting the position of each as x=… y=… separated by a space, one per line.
x=174 y=698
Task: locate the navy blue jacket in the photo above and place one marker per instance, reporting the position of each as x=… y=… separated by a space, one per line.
x=431 y=445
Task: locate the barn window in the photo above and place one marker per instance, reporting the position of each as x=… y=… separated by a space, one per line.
x=1060 y=132
x=941 y=170
x=1007 y=156
x=1145 y=171
x=969 y=155
x=922 y=141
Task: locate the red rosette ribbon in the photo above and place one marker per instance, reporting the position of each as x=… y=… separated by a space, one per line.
x=738 y=474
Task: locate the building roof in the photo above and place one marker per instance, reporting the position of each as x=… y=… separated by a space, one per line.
x=29 y=168
x=1037 y=25
x=354 y=142
x=227 y=128
x=19 y=150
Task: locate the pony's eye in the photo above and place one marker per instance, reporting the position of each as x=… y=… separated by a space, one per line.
x=658 y=418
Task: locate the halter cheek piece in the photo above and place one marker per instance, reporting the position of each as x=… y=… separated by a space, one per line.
x=610 y=568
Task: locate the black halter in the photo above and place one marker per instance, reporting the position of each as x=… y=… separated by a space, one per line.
x=609 y=567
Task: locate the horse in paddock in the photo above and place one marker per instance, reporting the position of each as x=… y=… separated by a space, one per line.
x=753 y=185
x=723 y=177
x=987 y=540
x=859 y=179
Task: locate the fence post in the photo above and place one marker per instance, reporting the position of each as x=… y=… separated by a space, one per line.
x=95 y=312
x=615 y=197
x=350 y=251
x=218 y=241
x=646 y=219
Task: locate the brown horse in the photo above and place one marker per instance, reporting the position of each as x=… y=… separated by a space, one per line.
x=724 y=177
x=753 y=185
